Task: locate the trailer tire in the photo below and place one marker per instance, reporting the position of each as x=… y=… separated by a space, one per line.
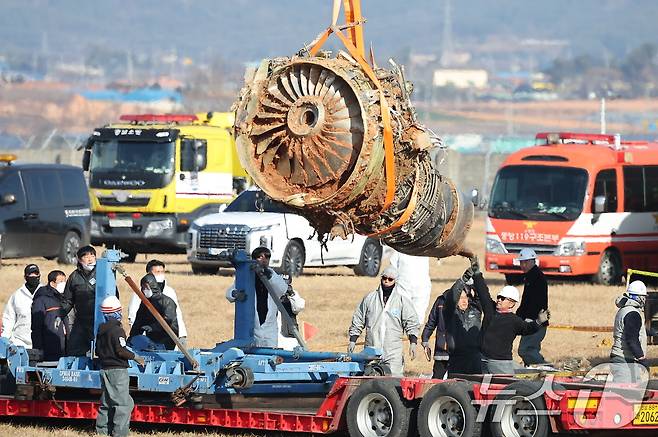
x=376 y=409
x=447 y=410
x=510 y=423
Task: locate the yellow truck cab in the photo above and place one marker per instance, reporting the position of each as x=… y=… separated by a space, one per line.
x=151 y=176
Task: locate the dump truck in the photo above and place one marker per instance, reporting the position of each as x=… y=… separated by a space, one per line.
x=152 y=175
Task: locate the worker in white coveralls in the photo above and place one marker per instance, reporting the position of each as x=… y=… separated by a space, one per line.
x=266 y=324
x=17 y=315
x=386 y=314
x=414 y=279
x=628 y=356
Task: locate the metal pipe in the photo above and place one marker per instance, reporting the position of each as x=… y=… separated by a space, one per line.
x=158 y=317
x=277 y=300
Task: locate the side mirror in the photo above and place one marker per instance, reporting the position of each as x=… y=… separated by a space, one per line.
x=475 y=196
x=8 y=199
x=599 y=204
x=86 y=158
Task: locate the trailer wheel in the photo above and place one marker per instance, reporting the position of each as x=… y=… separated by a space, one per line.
x=376 y=409
x=447 y=411
x=523 y=411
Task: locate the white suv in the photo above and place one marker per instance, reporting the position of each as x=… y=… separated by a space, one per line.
x=253 y=220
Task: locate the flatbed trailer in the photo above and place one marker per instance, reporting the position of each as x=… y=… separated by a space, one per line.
x=383 y=406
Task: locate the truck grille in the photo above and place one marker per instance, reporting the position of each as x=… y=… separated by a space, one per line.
x=224 y=237
x=130 y=201
x=540 y=249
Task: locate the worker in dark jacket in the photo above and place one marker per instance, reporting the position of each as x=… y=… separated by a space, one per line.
x=535 y=299
x=116 y=405
x=436 y=323
x=145 y=323
x=500 y=325
x=464 y=320
x=49 y=324
x=80 y=295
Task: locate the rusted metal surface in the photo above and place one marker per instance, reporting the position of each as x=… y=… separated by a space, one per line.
x=309 y=131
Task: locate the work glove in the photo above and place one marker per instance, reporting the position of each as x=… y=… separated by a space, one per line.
x=427 y=350
x=139 y=360
x=475 y=265
x=412 y=351
x=468 y=274
x=543 y=317
x=268 y=273
x=351 y=347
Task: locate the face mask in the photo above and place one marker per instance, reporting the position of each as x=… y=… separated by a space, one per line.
x=60 y=287
x=159 y=277
x=147 y=292
x=89 y=267
x=32 y=282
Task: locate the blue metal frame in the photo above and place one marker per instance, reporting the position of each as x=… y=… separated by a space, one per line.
x=274 y=370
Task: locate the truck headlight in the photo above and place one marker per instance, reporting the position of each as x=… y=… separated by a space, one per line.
x=158 y=227
x=571 y=248
x=495 y=246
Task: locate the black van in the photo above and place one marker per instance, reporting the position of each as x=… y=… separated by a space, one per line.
x=44 y=210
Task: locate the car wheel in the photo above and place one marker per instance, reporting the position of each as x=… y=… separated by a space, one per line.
x=293 y=259
x=371 y=259
x=131 y=256
x=204 y=270
x=69 y=249
x=609 y=269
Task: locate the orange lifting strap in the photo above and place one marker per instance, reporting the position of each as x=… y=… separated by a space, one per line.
x=355 y=46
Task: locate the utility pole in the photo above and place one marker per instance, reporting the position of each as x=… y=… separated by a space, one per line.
x=446 y=42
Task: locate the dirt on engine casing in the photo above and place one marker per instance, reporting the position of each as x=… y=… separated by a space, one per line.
x=310 y=132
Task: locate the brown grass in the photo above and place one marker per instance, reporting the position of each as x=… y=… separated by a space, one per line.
x=331 y=295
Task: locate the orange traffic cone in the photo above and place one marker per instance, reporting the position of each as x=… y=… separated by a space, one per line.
x=308 y=331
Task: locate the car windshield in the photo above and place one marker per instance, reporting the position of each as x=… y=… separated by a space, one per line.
x=538 y=193
x=132 y=157
x=256 y=201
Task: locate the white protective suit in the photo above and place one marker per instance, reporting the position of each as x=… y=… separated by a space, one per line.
x=267 y=334
x=413 y=280
x=169 y=292
x=17 y=317
x=385 y=325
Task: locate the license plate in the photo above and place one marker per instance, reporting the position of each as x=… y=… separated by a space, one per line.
x=215 y=251
x=121 y=223
x=647 y=414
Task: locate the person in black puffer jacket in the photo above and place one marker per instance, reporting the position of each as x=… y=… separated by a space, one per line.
x=436 y=321
x=146 y=323
x=80 y=294
x=49 y=324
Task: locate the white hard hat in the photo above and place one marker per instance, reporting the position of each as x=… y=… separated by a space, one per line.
x=110 y=305
x=526 y=254
x=510 y=292
x=638 y=288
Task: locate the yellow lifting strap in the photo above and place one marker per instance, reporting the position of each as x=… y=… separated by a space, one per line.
x=353 y=42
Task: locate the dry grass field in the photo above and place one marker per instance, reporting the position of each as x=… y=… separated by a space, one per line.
x=331 y=296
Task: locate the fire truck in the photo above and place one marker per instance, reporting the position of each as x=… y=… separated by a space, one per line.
x=151 y=176
x=587 y=204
